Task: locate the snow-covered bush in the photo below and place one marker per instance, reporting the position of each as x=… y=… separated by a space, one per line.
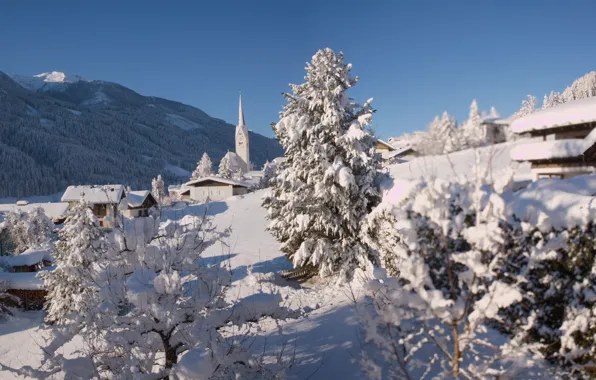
x=442 y=247
x=559 y=294
x=146 y=306
x=32 y=229
x=326 y=185
x=204 y=168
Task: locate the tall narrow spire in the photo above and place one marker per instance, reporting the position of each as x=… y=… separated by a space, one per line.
x=240 y=112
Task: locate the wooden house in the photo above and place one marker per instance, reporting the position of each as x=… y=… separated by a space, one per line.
x=215 y=188
x=561 y=135
x=103 y=200
x=139 y=203
x=21 y=279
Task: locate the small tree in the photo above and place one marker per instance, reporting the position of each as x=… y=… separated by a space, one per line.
x=32 y=229
x=158 y=189
x=269 y=173
x=204 y=168
x=224 y=167
x=70 y=285
x=326 y=184
x=154 y=310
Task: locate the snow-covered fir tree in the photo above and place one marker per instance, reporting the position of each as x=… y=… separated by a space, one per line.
x=493 y=113
x=158 y=189
x=70 y=285
x=204 y=168
x=326 y=184
x=269 y=173
x=31 y=229
x=224 y=167
x=528 y=106
x=472 y=127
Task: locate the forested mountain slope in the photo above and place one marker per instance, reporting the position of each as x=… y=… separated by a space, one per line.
x=91 y=132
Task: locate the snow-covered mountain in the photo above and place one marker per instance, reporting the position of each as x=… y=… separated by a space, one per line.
x=53 y=80
x=58 y=129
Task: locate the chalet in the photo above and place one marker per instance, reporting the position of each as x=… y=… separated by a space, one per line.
x=139 y=203
x=103 y=200
x=21 y=278
x=383 y=148
x=561 y=137
x=215 y=188
x=494 y=129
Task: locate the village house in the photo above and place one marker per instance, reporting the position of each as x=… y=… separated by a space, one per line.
x=21 y=279
x=493 y=129
x=139 y=203
x=383 y=148
x=215 y=188
x=103 y=200
x=561 y=136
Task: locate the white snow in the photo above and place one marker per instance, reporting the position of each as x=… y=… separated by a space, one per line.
x=547 y=150
x=29 y=257
x=226 y=181
x=460 y=164
x=54 y=210
x=38 y=81
x=94 y=194
x=180 y=172
x=74 y=112
x=181 y=122
x=98 y=98
x=136 y=198
x=574 y=112
x=22 y=281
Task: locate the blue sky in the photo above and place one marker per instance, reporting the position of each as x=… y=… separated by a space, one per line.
x=416 y=59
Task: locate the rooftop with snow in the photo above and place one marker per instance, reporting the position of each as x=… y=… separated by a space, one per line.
x=575 y=112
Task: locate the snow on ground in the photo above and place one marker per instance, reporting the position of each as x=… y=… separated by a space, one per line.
x=34 y=199
x=324 y=342
x=181 y=122
x=177 y=170
x=460 y=164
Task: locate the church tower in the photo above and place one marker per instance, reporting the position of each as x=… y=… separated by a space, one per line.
x=242 y=145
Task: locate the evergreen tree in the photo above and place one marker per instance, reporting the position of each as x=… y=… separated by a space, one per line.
x=224 y=167
x=493 y=113
x=326 y=183
x=472 y=128
x=75 y=254
x=158 y=189
x=528 y=106
x=204 y=168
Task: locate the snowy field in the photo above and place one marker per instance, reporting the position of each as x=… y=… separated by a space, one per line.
x=326 y=342
x=323 y=343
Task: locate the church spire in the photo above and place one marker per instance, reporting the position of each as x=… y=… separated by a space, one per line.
x=240 y=112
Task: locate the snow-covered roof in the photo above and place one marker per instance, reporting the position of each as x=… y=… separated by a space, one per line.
x=379 y=141
x=548 y=150
x=29 y=257
x=136 y=198
x=22 y=280
x=53 y=210
x=495 y=120
x=227 y=181
x=553 y=149
x=401 y=150
x=254 y=173
x=571 y=113
x=94 y=194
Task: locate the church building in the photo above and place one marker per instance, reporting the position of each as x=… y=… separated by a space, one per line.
x=242 y=143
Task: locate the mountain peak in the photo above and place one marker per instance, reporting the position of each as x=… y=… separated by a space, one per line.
x=43 y=80
x=58 y=77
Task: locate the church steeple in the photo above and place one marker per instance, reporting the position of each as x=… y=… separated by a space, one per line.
x=240 y=112
x=242 y=143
